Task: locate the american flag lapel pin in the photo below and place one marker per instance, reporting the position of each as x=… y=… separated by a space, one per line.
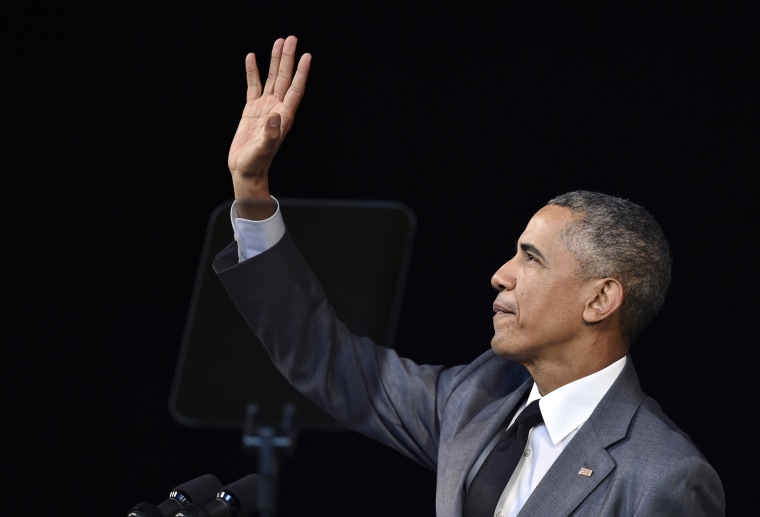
x=585 y=471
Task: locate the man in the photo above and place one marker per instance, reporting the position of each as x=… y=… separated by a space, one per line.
x=590 y=271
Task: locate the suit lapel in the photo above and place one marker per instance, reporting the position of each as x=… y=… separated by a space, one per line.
x=565 y=485
x=460 y=454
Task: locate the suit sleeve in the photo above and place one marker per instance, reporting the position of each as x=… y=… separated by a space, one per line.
x=367 y=387
x=688 y=486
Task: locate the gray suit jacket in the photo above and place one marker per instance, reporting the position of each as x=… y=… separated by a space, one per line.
x=442 y=417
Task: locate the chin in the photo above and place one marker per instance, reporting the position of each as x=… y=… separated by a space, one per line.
x=505 y=347
x=500 y=348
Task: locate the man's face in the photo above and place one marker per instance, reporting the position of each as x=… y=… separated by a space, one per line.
x=539 y=308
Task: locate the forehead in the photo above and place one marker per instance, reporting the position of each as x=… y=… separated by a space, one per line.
x=547 y=223
x=544 y=231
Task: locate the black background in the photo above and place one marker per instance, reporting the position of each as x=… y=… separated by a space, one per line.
x=472 y=114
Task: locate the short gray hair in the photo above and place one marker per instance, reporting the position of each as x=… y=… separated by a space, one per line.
x=616 y=238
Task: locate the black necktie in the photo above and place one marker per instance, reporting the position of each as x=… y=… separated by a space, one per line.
x=492 y=477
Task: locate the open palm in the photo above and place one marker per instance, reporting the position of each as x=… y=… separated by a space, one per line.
x=269 y=111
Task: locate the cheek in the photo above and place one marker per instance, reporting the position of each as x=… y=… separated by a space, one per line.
x=547 y=301
x=561 y=302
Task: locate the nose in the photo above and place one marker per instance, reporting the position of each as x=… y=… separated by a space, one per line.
x=503 y=278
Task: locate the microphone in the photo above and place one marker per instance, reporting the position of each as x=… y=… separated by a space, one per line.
x=237 y=499
x=200 y=490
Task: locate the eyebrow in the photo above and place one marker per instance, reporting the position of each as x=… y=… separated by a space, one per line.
x=529 y=248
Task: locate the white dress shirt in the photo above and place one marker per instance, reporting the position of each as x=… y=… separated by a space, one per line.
x=564 y=410
x=254 y=237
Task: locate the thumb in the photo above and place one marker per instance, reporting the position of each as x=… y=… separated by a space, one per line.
x=272 y=128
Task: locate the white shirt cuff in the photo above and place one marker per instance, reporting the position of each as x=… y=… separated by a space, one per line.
x=254 y=237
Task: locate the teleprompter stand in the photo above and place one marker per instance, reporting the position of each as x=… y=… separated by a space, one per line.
x=270 y=444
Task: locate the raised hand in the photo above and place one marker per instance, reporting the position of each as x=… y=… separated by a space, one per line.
x=267 y=117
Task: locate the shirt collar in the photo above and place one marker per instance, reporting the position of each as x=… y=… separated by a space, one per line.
x=568 y=407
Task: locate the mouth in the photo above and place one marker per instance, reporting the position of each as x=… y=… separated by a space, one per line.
x=501 y=308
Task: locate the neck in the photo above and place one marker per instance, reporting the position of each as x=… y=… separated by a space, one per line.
x=550 y=375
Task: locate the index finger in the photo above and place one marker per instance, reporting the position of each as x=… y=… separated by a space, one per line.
x=297 y=88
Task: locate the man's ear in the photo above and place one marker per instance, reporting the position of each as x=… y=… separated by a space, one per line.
x=606 y=297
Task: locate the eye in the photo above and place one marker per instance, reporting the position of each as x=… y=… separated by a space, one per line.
x=530 y=253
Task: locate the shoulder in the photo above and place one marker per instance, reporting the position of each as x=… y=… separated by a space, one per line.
x=653 y=430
